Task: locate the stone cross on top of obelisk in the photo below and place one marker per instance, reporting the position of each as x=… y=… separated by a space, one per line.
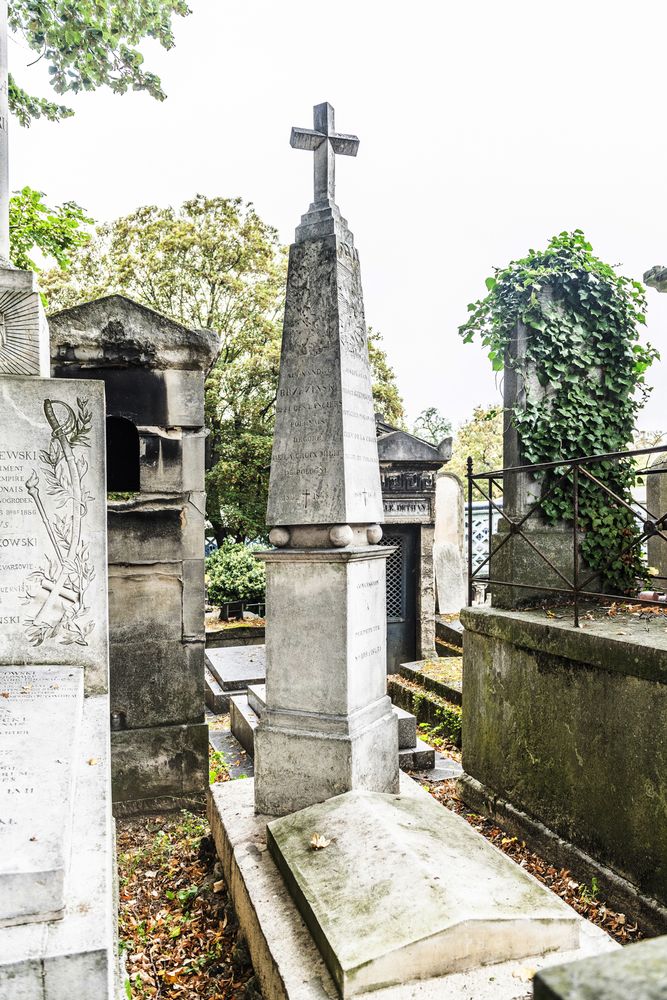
x=325 y=142
x=323 y=217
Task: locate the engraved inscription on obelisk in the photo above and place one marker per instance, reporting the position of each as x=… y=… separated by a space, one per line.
x=324 y=467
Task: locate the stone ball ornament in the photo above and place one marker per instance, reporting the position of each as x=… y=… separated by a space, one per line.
x=341 y=535
x=373 y=534
x=279 y=537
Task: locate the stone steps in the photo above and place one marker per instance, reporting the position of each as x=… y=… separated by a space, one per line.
x=431 y=701
x=246 y=709
x=450 y=632
x=449 y=690
x=448 y=637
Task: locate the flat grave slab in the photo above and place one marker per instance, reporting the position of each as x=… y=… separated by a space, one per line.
x=636 y=972
x=235 y=667
x=406 y=890
x=74 y=956
x=287 y=961
x=40 y=714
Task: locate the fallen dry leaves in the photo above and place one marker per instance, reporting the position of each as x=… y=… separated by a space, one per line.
x=176 y=920
x=580 y=897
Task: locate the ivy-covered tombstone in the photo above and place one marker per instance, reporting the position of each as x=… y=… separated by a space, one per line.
x=563 y=327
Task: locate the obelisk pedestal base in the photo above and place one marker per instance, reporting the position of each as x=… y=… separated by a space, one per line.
x=296 y=768
x=328 y=727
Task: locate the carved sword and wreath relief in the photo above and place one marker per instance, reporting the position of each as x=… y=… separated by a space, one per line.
x=55 y=592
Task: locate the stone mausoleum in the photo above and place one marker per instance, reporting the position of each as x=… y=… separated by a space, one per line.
x=153 y=370
x=408 y=471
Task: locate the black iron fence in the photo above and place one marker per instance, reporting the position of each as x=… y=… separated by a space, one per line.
x=235 y=610
x=549 y=476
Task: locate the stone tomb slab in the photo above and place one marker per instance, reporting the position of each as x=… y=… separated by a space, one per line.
x=74 y=955
x=40 y=713
x=285 y=957
x=406 y=890
x=235 y=667
x=53 y=561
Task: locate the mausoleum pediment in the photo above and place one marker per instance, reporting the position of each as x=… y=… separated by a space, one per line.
x=115 y=331
x=398 y=446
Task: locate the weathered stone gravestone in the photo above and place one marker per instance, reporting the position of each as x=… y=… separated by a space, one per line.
x=153 y=370
x=392 y=887
x=328 y=725
x=56 y=848
x=56 y=909
x=519 y=559
x=656 y=503
x=448 y=545
x=656 y=482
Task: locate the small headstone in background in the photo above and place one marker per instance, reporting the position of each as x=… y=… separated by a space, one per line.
x=656 y=503
x=448 y=546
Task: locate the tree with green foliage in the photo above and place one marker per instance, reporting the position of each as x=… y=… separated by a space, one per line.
x=481 y=438
x=233 y=574
x=387 y=398
x=431 y=425
x=85 y=45
x=212 y=263
x=582 y=321
x=89 y=44
x=55 y=233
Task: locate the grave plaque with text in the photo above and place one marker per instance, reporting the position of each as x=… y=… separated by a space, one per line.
x=40 y=711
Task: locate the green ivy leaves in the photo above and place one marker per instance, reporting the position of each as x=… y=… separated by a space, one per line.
x=583 y=347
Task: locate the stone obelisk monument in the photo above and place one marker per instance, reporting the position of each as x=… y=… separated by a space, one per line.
x=328 y=727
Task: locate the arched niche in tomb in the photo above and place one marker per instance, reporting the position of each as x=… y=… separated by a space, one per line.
x=122 y=456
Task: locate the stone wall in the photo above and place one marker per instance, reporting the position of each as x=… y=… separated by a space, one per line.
x=568 y=726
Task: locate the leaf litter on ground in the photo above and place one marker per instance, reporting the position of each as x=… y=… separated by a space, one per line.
x=177 y=924
x=581 y=897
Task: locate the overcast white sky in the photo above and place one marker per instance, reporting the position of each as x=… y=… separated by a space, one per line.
x=485 y=128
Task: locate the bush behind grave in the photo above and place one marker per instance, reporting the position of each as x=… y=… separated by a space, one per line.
x=233 y=574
